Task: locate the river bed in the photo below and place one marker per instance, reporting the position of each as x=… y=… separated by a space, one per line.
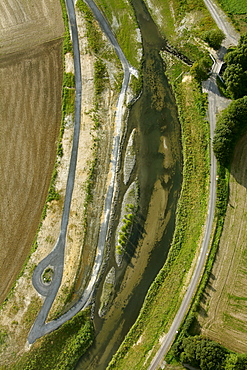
x=158 y=170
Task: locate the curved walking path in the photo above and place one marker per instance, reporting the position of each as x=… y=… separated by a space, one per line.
x=215 y=104
x=55 y=259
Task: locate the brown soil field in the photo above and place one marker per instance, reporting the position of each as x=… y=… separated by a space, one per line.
x=223 y=314
x=26 y=23
x=31 y=70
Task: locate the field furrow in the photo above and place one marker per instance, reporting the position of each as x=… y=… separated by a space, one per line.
x=30 y=114
x=223 y=314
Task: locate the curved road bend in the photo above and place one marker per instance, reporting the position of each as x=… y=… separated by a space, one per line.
x=215 y=103
x=56 y=258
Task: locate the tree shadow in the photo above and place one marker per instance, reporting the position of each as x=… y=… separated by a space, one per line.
x=239 y=163
x=202 y=312
x=221 y=52
x=138 y=232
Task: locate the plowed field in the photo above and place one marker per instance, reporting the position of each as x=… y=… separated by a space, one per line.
x=30 y=115
x=224 y=311
x=26 y=23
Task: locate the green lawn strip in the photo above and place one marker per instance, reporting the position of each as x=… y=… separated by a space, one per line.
x=165 y=294
x=189 y=326
x=61 y=349
x=67 y=45
x=234 y=6
x=121 y=17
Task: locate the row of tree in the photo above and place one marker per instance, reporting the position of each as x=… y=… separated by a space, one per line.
x=235 y=75
x=206 y=354
x=232 y=123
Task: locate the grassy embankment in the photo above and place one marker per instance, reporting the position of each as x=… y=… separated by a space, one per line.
x=120 y=15
x=61 y=349
x=183 y=24
x=228 y=323
x=161 y=304
x=189 y=325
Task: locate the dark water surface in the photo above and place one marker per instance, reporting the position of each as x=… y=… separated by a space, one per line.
x=154 y=116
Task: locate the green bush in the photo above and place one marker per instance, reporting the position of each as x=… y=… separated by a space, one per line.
x=67 y=44
x=200 y=69
x=100 y=74
x=69 y=80
x=94 y=38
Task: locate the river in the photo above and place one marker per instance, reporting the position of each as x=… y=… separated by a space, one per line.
x=158 y=169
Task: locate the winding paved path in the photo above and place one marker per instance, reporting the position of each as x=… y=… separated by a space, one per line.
x=216 y=103
x=55 y=259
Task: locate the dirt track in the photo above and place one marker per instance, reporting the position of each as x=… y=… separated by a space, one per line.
x=223 y=313
x=30 y=115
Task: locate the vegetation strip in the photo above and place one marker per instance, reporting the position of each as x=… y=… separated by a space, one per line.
x=190 y=320
x=61 y=349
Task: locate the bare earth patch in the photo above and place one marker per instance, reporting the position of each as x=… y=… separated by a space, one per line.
x=223 y=315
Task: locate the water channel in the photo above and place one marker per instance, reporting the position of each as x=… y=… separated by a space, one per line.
x=158 y=169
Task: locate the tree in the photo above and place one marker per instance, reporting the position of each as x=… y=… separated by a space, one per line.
x=201 y=68
x=214 y=38
x=235 y=79
x=212 y=355
x=231 y=125
x=203 y=353
x=236 y=362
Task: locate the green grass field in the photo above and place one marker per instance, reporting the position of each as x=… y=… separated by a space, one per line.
x=235 y=6
x=237 y=12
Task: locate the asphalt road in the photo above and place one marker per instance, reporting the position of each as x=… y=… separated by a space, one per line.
x=55 y=259
x=216 y=103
